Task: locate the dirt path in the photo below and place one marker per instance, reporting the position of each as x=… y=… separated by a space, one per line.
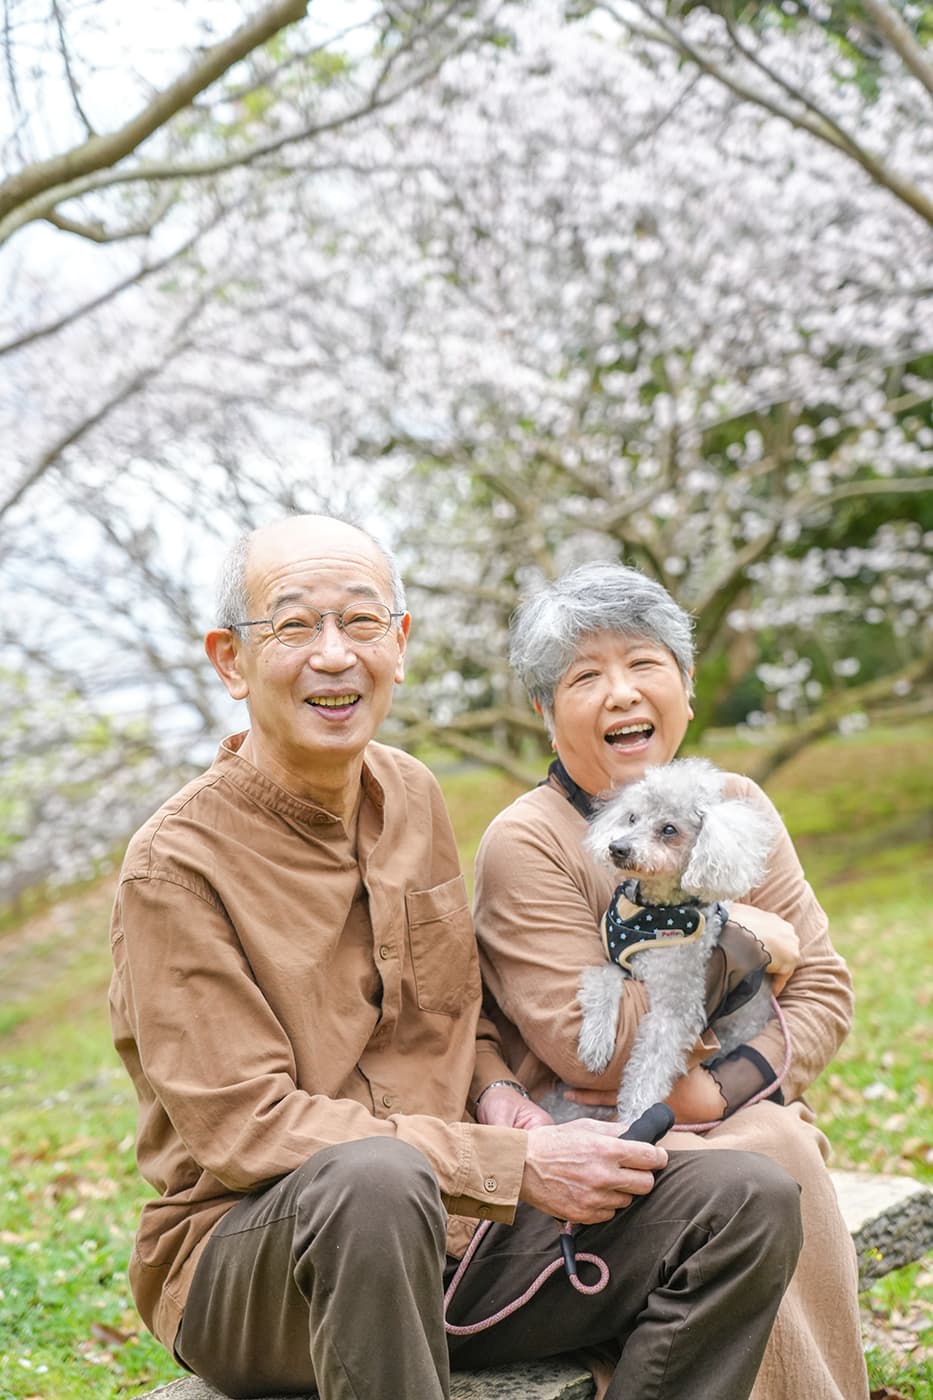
x=40 y=951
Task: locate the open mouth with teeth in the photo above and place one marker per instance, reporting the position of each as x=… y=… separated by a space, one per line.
x=333 y=702
x=629 y=736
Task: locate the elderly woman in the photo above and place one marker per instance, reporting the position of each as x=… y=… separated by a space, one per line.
x=607 y=657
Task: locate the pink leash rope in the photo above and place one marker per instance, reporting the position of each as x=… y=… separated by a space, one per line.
x=529 y=1292
x=552 y=1268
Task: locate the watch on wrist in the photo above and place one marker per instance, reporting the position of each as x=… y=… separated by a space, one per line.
x=503 y=1084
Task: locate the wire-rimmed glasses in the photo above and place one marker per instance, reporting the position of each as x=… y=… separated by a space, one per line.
x=295 y=625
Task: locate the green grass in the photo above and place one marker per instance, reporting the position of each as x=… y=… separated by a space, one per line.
x=69 y=1189
x=70 y=1195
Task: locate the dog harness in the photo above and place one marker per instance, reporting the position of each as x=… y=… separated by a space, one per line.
x=651 y=925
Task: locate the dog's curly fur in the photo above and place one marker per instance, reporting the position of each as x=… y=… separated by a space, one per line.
x=683 y=841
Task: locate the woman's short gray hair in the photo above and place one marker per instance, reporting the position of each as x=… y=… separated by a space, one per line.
x=547 y=629
x=233 y=594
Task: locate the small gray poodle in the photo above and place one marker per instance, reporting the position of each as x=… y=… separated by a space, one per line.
x=679 y=847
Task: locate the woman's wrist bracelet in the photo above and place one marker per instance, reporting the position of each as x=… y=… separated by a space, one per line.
x=503 y=1084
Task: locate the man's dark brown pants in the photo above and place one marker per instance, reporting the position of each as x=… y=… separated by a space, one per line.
x=332 y=1279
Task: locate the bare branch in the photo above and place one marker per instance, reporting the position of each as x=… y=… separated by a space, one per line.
x=66 y=59
x=826 y=720
x=844 y=141
x=42 y=204
x=889 y=23
x=119 y=395
x=877 y=486
x=97 y=232
x=124 y=391
x=138 y=275
x=420 y=731
x=8 y=55
x=102 y=152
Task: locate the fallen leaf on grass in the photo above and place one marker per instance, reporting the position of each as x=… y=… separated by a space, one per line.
x=110 y=1336
x=886 y=1393
x=76 y=1147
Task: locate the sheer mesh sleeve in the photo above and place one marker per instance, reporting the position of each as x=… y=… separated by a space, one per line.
x=741 y=1075
x=734 y=971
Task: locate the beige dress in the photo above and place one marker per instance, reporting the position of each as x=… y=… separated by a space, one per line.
x=537 y=909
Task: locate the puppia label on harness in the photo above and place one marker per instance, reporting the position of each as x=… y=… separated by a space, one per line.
x=650 y=926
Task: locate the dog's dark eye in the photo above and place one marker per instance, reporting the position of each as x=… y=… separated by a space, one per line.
x=632 y=819
x=668 y=829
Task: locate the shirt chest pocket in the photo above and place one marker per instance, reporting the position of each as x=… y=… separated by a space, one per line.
x=442 y=947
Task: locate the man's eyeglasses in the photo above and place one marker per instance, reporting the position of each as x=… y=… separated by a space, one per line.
x=296 y=626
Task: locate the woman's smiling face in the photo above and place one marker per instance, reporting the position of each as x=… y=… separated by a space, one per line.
x=620 y=706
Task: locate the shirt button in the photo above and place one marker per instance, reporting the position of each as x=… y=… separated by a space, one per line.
x=385 y=951
x=491 y=1184
x=387 y=1100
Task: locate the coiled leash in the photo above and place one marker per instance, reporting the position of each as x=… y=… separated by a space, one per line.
x=651 y=1126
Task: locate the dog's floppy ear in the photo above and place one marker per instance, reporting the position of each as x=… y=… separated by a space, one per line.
x=731 y=851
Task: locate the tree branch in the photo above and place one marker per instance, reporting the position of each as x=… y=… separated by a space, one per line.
x=877 y=486
x=102 y=152
x=470 y=748
x=821 y=127
x=135 y=277
x=826 y=720
x=41 y=205
x=97 y=232
x=889 y=23
x=124 y=391
x=69 y=75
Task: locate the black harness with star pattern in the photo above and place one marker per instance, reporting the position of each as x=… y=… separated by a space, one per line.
x=651 y=925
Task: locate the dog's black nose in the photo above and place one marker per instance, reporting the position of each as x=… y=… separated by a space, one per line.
x=620 y=852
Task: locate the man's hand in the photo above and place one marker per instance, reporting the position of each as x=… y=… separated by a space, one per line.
x=584 y=1172
x=775 y=934
x=502 y=1107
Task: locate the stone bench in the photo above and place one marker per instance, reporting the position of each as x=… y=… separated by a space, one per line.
x=890 y=1219
x=891 y=1222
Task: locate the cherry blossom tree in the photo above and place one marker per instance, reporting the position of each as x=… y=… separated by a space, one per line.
x=563 y=298
x=140 y=155
x=842 y=53
x=638 y=316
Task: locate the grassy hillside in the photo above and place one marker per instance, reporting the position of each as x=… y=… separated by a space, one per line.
x=860 y=812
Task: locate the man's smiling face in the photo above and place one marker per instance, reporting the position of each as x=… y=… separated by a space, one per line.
x=317 y=705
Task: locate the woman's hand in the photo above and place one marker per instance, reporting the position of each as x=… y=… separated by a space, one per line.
x=776 y=935
x=696 y=1098
x=592 y=1098
x=502 y=1107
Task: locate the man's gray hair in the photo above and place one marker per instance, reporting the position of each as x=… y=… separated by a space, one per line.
x=548 y=628
x=232 y=592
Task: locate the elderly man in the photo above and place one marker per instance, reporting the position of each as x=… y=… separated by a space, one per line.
x=323 y=1111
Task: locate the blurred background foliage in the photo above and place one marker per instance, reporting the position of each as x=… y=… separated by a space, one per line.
x=515 y=285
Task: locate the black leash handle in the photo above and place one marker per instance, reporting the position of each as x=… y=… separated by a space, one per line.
x=652 y=1125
